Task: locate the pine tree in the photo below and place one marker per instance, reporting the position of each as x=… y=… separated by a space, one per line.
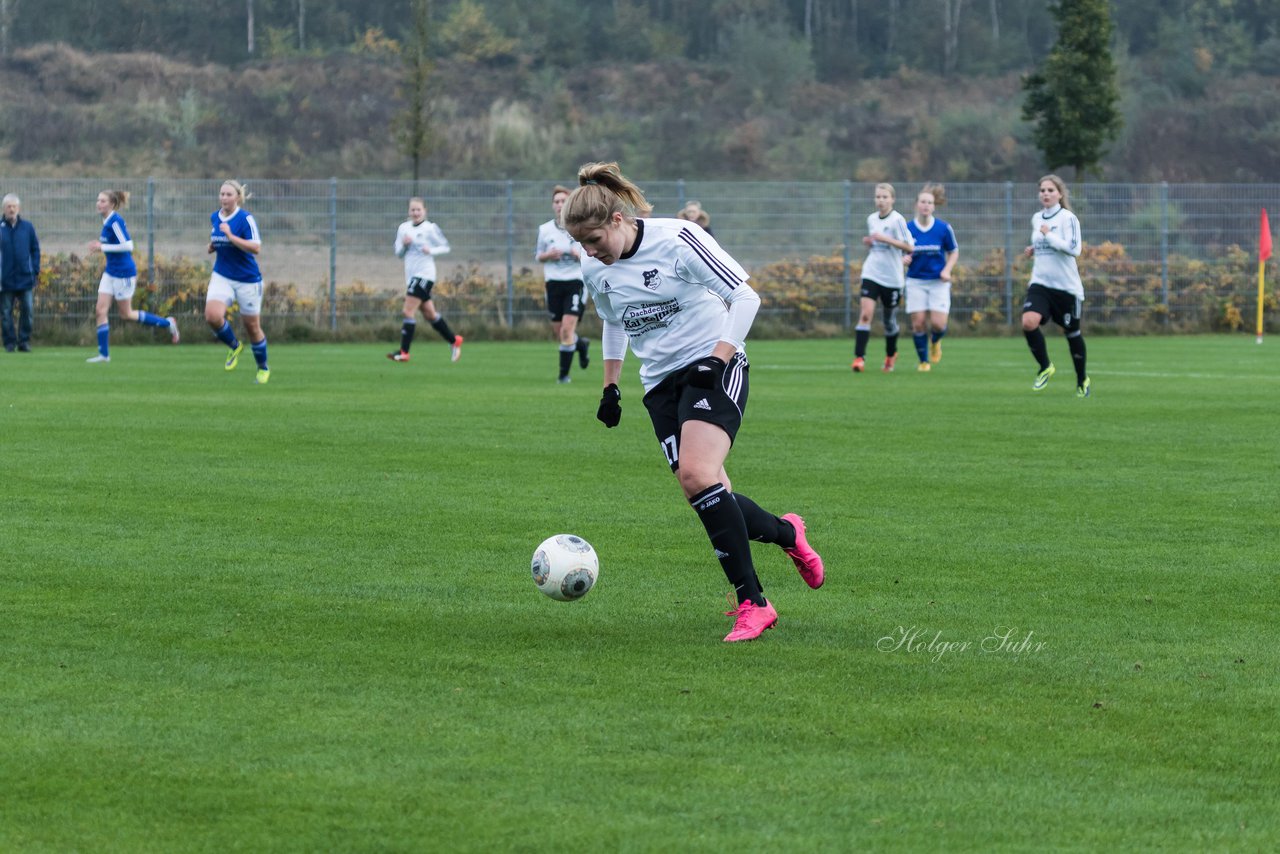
x=1072 y=97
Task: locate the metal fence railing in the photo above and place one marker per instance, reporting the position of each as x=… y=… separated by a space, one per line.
x=1181 y=256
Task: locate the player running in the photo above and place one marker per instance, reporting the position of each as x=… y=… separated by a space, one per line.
x=418 y=242
x=665 y=288
x=1056 y=291
x=120 y=278
x=561 y=259
x=929 y=275
x=236 y=278
x=888 y=239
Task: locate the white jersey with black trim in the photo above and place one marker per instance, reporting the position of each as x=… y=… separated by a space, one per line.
x=567 y=268
x=1056 y=252
x=884 y=262
x=672 y=299
x=418 y=262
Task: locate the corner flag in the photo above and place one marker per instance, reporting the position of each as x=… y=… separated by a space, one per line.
x=1264 y=252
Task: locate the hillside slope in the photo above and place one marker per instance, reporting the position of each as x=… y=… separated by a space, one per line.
x=63 y=112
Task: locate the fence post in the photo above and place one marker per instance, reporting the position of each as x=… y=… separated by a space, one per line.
x=1008 y=252
x=848 y=234
x=333 y=254
x=1164 y=248
x=511 y=237
x=679 y=193
x=151 y=232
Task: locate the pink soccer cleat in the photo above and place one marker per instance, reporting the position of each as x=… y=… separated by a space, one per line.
x=751 y=621
x=808 y=562
x=455 y=352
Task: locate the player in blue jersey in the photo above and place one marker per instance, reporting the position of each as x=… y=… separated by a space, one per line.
x=929 y=275
x=1056 y=292
x=561 y=258
x=888 y=240
x=120 y=278
x=666 y=290
x=235 y=240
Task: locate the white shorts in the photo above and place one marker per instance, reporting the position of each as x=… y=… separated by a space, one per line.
x=928 y=295
x=228 y=291
x=121 y=289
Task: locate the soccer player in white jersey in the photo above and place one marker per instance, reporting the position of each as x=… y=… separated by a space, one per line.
x=120 y=278
x=1056 y=292
x=561 y=259
x=929 y=275
x=665 y=288
x=882 y=281
x=236 y=278
x=418 y=242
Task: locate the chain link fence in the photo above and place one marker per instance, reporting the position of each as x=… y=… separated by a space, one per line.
x=1158 y=256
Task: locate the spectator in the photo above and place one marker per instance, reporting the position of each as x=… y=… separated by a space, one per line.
x=19 y=273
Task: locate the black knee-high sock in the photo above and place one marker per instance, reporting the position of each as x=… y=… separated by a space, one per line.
x=439 y=325
x=860 y=338
x=891 y=345
x=1075 y=343
x=763 y=526
x=406 y=333
x=566 y=360
x=891 y=332
x=727 y=530
x=1035 y=340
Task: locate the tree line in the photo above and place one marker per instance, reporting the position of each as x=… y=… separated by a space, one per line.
x=833 y=40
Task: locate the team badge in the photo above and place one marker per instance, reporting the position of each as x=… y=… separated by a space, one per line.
x=651 y=280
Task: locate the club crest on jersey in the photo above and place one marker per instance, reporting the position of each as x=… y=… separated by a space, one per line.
x=651 y=280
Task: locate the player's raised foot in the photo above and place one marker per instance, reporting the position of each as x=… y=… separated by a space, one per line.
x=889 y=362
x=234 y=358
x=455 y=352
x=173 y=329
x=750 y=621
x=584 y=357
x=935 y=352
x=1082 y=390
x=398 y=356
x=98 y=359
x=1042 y=378
x=808 y=562
x=263 y=377
x=925 y=368
x=859 y=365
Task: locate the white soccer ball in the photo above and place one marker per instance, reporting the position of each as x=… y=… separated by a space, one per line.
x=565 y=567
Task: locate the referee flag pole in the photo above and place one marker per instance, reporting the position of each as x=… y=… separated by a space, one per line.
x=1264 y=252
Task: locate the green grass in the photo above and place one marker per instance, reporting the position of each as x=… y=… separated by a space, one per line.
x=299 y=617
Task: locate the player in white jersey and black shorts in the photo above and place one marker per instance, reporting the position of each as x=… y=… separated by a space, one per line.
x=561 y=259
x=882 y=279
x=1056 y=292
x=418 y=241
x=667 y=290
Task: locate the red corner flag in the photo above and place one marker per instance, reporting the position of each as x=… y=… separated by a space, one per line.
x=1264 y=238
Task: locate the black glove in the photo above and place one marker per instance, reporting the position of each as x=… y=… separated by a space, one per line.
x=705 y=373
x=610 y=411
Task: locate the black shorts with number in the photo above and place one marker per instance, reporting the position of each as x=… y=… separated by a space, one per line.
x=564 y=297
x=888 y=297
x=671 y=403
x=1052 y=304
x=419 y=288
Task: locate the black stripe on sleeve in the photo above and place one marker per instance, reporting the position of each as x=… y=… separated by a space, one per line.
x=717 y=266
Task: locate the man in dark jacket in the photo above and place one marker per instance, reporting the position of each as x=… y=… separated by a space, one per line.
x=19 y=272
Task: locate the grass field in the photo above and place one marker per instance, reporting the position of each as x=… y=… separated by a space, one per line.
x=299 y=617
